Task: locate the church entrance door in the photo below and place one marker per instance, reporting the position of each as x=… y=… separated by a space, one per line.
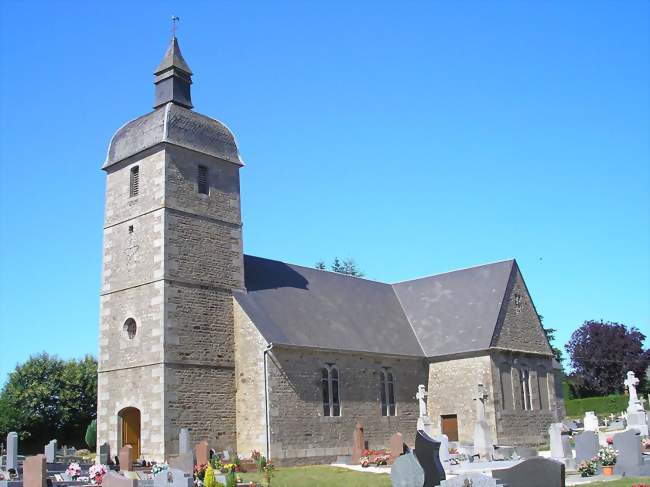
x=450 y=426
x=130 y=420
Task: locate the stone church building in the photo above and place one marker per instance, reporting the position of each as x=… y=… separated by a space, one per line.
x=253 y=353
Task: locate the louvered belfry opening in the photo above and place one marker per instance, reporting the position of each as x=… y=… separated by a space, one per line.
x=203 y=180
x=134 y=185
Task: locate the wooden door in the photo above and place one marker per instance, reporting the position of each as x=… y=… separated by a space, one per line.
x=131 y=430
x=449 y=423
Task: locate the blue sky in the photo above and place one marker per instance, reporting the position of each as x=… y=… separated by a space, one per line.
x=416 y=137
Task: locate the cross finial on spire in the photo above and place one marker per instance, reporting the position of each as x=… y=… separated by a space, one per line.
x=175 y=19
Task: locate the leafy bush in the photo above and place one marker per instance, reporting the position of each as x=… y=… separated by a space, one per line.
x=209 y=480
x=576 y=408
x=91 y=435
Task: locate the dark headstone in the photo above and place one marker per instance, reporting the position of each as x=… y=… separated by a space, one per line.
x=407 y=472
x=104 y=453
x=427 y=451
x=534 y=472
x=586 y=446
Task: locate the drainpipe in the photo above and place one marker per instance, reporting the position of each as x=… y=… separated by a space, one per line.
x=266 y=404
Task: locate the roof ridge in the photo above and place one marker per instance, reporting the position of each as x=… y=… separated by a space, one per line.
x=454 y=270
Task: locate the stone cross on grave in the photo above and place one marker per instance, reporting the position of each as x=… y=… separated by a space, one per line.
x=420 y=396
x=480 y=395
x=631 y=382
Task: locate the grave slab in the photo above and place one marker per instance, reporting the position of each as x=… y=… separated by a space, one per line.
x=534 y=472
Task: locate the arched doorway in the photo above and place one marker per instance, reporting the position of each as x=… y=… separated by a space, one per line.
x=130 y=426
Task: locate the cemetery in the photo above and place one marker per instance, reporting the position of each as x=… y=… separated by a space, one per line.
x=218 y=368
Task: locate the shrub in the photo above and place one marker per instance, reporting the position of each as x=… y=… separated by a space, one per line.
x=576 y=408
x=208 y=479
x=91 y=435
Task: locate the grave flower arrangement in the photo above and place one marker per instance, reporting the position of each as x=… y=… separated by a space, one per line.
x=364 y=461
x=646 y=443
x=73 y=470
x=382 y=459
x=269 y=470
x=96 y=473
x=199 y=474
x=159 y=467
x=607 y=456
x=587 y=468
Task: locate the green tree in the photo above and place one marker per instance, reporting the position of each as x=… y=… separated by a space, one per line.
x=345 y=266
x=91 y=435
x=550 y=336
x=46 y=398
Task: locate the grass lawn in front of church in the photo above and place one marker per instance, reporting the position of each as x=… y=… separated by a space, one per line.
x=625 y=482
x=320 y=476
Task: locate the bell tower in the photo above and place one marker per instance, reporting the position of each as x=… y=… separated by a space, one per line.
x=172 y=258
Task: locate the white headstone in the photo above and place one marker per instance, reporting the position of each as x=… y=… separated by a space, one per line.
x=560 y=448
x=184 y=441
x=50 y=452
x=634 y=405
x=591 y=421
x=470 y=479
x=444 y=447
x=420 y=396
x=12 y=451
x=172 y=477
x=425 y=424
x=482 y=436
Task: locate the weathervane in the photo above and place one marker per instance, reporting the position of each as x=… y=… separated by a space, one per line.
x=174 y=20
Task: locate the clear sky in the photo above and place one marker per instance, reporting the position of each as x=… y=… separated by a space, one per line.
x=417 y=137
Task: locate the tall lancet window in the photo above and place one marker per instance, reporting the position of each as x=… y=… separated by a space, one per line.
x=387 y=392
x=134 y=182
x=330 y=390
x=526 y=400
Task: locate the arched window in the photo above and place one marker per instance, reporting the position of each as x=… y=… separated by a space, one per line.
x=507 y=403
x=524 y=378
x=330 y=390
x=387 y=392
x=130 y=328
x=542 y=387
x=134 y=183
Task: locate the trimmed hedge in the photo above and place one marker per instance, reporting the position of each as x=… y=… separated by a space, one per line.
x=576 y=408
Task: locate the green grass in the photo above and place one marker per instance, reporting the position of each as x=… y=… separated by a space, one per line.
x=602 y=406
x=321 y=476
x=626 y=482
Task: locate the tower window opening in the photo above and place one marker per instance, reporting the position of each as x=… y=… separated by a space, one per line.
x=130 y=328
x=203 y=180
x=134 y=184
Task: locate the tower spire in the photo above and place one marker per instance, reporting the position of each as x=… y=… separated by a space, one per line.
x=173 y=77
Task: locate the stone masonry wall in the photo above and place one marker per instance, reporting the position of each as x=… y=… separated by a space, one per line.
x=515 y=424
x=299 y=431
x=452 y=385
x=249 y=372
x=520 y=328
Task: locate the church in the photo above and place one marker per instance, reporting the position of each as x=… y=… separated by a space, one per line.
x=253 y=353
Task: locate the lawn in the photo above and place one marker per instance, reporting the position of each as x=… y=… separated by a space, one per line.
x=321 y=476
x=324 y=476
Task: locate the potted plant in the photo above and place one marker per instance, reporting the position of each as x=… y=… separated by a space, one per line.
x=607 y=458
x=96 y=473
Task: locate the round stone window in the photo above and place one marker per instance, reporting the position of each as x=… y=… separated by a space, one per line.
x=130 y=328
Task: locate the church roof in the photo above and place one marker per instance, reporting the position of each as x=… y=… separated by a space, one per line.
x=177 y=125
x=449 y=313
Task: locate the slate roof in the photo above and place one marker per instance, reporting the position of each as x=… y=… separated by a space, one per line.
x=447 y=313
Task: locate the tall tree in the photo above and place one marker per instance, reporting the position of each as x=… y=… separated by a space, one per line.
x=602 y=352
x=550 y=336
x=46 y=398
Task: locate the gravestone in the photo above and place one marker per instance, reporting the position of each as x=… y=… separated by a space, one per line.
x=126 y=458
x=358 y=444
x=114 y=479
x=396 y=447
x=104 y=453
x=183 y=462
x=424 y=422
x=444 y=447
x=525 y=452
x=12 y=451
x=407 y=472
x=202 y=453
x=427 y=451
x=50 y=452
x=470 y=479
x=482 y=437
x=630 y=461
x=586 y=446
x=560 y=448
x=172 y=478
x=34 y=471
x=534 y=472
x=184 y=441
x=618 y=424
x=591 y=421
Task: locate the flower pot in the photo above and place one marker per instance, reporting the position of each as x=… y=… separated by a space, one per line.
x=608 y=470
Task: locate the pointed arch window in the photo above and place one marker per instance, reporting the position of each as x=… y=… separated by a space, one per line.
x=526 y=401
x=330 y=390
x=387 y=392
